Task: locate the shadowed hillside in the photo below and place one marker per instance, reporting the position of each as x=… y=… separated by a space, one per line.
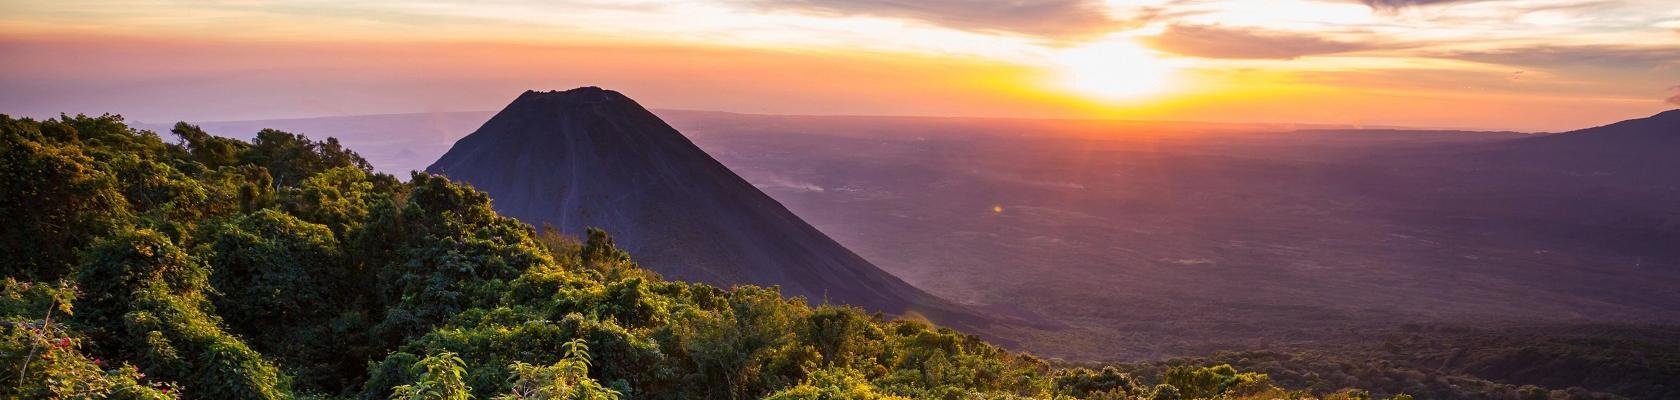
x=1645 y=149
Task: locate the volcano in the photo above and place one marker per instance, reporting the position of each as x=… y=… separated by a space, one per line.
x=590 y=157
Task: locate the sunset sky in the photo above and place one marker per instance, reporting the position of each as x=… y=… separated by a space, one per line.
x=1513 y=64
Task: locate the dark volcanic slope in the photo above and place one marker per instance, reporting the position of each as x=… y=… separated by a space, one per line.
x=1643 y=148
x=592 y=157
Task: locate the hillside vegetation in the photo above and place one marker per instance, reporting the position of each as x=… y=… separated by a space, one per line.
x=203 y=267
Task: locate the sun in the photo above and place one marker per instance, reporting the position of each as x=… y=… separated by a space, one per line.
x=1113 y=69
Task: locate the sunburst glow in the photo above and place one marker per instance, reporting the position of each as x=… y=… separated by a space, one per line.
x=1115 y=69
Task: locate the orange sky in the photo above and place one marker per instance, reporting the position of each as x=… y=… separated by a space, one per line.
x=1528 y=65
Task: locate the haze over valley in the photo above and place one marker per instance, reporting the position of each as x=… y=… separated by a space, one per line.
x=1125 y=240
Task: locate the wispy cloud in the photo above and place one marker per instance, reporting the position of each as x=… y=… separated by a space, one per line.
x=1601 y=56
x=1055 y=18
x=1579 y=57
x=1214 y=41
x=1675 y=98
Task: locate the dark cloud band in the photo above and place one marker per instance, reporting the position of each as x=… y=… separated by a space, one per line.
x=1398 y=4
x=1221 y=42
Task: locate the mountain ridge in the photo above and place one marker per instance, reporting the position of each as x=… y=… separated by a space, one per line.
x=1640 y=149
x=591 y=157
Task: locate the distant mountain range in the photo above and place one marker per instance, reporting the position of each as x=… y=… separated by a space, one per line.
x=590 y=157
x=1646 y=148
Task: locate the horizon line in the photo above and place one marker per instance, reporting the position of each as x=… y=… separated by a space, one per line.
x=656 y=110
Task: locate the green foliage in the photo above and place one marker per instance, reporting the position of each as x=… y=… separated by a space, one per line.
x=1165 y=392
x=338 y=198
x=1437 y=363
x=599 y=249
x=273 y=270
x=55 y=199
x=44 y=360
x=284 y=285
x=174 y=337
x=927 y=362
x=167 y=199
x=833 y=384
x=35 y=300
x=1210 y=382
x=291 y=158
x=439 y=379
x=283 y=268
x=211 y=151
x=130 y=262
x=566 y=379
x=1084 y=382
x=844 y=337
x=441 y=252
x=747 y=348
x=150 y=288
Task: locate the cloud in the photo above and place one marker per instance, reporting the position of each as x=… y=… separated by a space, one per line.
x=1398 y=4
x=1212 y=41
x=1054 y=18
x=773 y=181
x=1597 y=56
x=1675 y=99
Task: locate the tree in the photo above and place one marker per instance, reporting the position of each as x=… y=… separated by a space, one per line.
x=338 y=198
x=598 y=248
x=567 y=379
x=293 y=157
x=748 y=347
x=440 y=379
x=44 y=358
x=286 y=286
x=833 y=384
x=442 y=251
x=212 y=151
x=146 y=302
x=844 y=336
x=272 y=270
x=1082 y=382
x=1165 y=392
x=54 y=199
x=1209 y=382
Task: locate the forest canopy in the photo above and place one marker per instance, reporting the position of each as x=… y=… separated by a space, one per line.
x=195 y=266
